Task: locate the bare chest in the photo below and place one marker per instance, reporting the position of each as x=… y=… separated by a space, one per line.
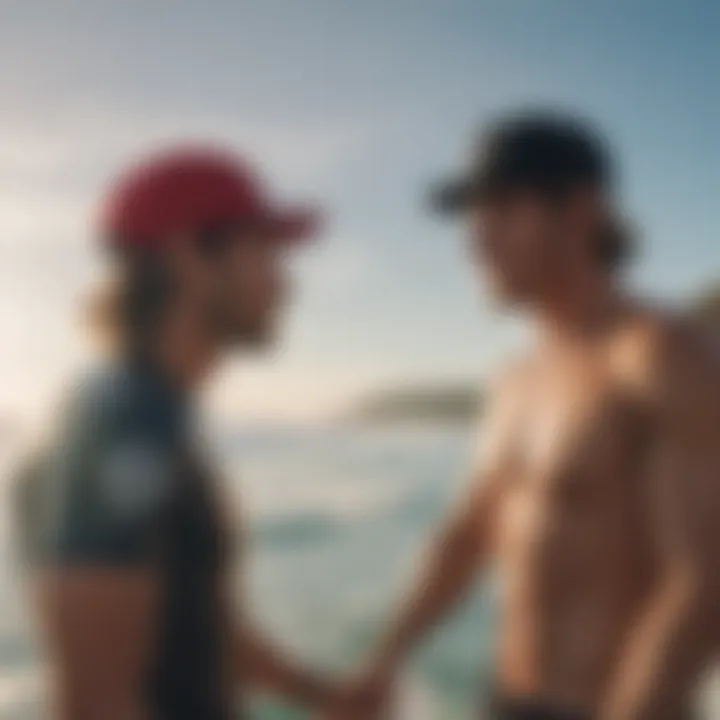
x=577 y=453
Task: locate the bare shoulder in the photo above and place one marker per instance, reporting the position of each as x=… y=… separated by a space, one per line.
x=672 y=362
x=501 y=418
x=508 y=386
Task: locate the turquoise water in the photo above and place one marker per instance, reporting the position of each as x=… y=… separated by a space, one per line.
x=336 y=520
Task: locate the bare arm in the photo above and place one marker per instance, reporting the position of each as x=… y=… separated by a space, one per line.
x=677 y=633
x=98 y=626
x=263 y=666
x=92 y=521
x=452 y=563
x=460 y=547
x=454 y=557
x=266 y=668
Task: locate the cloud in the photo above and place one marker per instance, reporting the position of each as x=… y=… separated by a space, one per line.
x=86 y=139
x=33 y=218
x=52 y=168
x=51 y=171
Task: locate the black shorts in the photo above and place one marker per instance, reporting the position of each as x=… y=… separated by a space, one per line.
x=505 y=708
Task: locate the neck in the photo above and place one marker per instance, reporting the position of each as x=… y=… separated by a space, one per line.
x=184 y=351
x=580 y=308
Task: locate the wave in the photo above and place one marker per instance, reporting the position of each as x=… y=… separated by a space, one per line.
x=292 y=530
x=415 y=700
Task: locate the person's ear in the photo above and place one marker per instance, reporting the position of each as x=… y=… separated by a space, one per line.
x=584 y=212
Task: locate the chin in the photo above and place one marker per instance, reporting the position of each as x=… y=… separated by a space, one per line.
x=500 y=292
x=258 y=339
x=507 y=292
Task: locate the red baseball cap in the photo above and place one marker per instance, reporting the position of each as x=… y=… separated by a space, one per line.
x=194 y=187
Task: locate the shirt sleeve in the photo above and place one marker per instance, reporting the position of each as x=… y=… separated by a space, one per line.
x=25 y=483
x=108 y=485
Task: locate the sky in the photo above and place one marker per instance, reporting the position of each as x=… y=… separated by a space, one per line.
x=358 y=105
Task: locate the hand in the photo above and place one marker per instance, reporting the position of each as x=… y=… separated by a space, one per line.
x=350 y=707
x=365 y=698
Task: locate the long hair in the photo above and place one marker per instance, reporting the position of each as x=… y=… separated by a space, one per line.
x=127 y=310
x=616 y=244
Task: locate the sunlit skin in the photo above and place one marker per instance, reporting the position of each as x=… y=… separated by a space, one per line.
x=597 y=488
x=221 y=302
x=239 y=291
x=525 y=244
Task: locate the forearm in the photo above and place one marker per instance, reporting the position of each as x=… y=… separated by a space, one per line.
x=90 y=705
x=132 y=712
x=265 y=668
x=444 y=581
x=673 y=641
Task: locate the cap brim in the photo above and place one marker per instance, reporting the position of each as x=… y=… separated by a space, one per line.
x=454 y=196
x=297 y=225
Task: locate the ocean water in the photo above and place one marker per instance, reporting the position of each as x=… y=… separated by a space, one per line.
x=335 y=521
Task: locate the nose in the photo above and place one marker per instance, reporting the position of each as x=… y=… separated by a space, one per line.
x=483 y=242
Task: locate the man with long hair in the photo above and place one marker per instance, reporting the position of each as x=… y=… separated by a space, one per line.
x=597 y=491
x=125 y=527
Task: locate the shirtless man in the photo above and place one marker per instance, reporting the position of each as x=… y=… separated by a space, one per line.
x=599 y=488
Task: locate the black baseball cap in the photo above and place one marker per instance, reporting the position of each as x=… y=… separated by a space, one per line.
x=542 y=151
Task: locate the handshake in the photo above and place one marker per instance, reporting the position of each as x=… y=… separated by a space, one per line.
x=367 y=696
